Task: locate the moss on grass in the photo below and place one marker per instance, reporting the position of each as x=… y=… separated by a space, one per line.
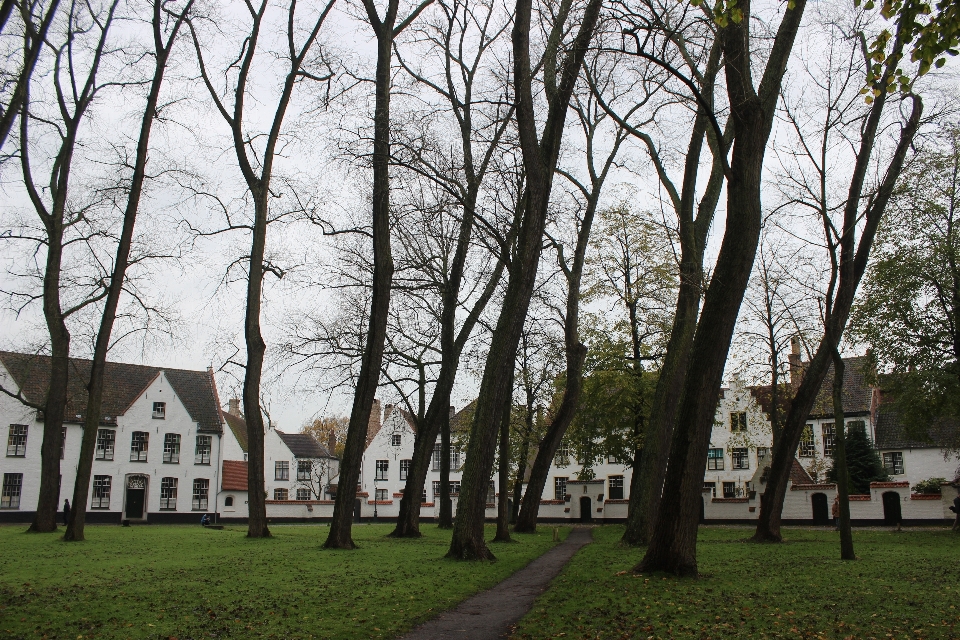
x=904 y=585
x=187 y=582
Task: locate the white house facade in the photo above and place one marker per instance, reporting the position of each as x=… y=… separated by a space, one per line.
x=158 y=448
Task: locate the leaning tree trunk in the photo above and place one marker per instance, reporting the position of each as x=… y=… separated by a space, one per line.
x=673 y=546
x=369 y=376
x=843 y=475
x=853 y=265
x=91 y=422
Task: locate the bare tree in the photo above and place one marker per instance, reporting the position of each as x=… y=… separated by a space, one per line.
x=673 y=542
x=860 y=212
x=163 y=40
x=78 y=50
x=540 y=157
x=35 y=21
x=386 y=29
x=257 y=166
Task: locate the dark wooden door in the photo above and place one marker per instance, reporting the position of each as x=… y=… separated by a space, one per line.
x=356 y=510
x=891 y=508
x=135 y=503
x=585 y=507
x=821 y=511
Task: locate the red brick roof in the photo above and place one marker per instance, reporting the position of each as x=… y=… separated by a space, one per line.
x=234 y=475
x=799 y=475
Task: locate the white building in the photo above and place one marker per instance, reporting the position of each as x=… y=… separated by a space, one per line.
x=158 y=444
x=298 y=472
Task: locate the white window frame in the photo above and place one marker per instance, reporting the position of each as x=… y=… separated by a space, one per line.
x=17 y=441
x=560 y=487
x=159 y=410
x=382 y=470
x=101 y=492
x=405 y=466
x=715 y=461
x=106 y=444
x=893 y=463
x=201 y=494
x=11 y=491
x=615 y=483
x=168 y=493
x=740 y=458
x=281 y=470
x=808 y=446
x=204 y=450
x=139 y=450
x=171 y=448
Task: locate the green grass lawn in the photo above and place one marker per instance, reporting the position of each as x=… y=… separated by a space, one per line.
x=188 y=582
x=904 y=585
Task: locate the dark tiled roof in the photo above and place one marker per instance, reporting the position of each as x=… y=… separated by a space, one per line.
x=239 y=428
x=857 y=393
x=234 y=475
x=462 y=419
x=303 y=445
x=891 y=433
x=123 y=384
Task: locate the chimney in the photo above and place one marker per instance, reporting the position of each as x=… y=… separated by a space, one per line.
x=453 y=411
x=234 y=407
x=796 y=368
x=387 y=410
x=332 y=443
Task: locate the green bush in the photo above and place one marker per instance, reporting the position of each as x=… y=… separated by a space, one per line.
x=930 y=485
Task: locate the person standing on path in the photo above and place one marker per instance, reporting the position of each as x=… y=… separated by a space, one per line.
x=66 y=512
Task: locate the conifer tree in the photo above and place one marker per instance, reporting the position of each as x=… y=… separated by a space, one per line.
x=863 y=462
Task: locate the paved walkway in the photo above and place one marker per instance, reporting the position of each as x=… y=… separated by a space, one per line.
x=492 y=614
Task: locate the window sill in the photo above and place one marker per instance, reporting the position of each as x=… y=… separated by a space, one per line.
x=171 y=462
x=138 y=461
x=168 y=508
x=159 y=417
x=103 y=460
x=99 y=508
x=16 y=455
x=16 y=508
x=204 y=464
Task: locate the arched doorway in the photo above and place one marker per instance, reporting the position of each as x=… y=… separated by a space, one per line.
x=821 y=510
x=136 y=496
x=891 y=508
x=585 y=507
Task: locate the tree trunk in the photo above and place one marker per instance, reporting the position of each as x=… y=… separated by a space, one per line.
x=369 y=376
x=503 y=473
x=853 y=264
x=522 y=464
x=673 y=545
x=843 y=478
x=445 y=519
x=256 y=347
x=91 y=422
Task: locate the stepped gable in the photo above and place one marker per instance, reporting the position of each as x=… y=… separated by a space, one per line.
x=122 y=385
x=763 y=394
x=892 y=434
x=304 y=445
x=857 y=392
x=234 y=475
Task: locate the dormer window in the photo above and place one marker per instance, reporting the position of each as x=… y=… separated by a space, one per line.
x=159 y=410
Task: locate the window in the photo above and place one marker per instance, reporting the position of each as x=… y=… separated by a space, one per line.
x=729 y=489
x=455 y=488
x=63 y=443
x=807 y=448
x=613 y=460
x=435 y=457
x=715 y=459
x=741 y=459
x=202 y=453
x=828 y=435
x=168 y=493
x=712 y=487
x=454 y=457
x=762 y=452
x=101 y=492
x=405 y=468
x=893 y=463
x=159 y=410
x=380 y=495
x=615 y=490
x=280 y=494
x=281 y=470
x=303 y=494
x=738 y=421
x=491 y=492
x=563 y=454
x=138 y=446
x=10 y=497
x=559 y=488
x=201 y=491
x=105 y=442
x=17 y=442
x=395 y=440
x=436 y=489
x=228 y=501
x=171 y=448
x=383 y=468
x=423 y=496
x=304 y=469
